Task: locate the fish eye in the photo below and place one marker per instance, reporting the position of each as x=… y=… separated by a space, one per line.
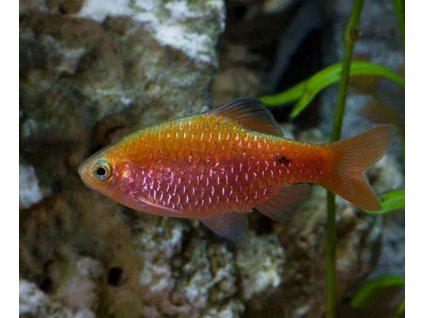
x=102 y=170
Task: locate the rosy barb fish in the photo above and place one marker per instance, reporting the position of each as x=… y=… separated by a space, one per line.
x=219 y=165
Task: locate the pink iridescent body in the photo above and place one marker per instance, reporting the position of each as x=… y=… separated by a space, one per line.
x=203 y=166
x=219 y=165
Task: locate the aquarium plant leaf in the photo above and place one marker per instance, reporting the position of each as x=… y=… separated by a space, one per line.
x=373 y=291
x=305 y=91
x=391 y=201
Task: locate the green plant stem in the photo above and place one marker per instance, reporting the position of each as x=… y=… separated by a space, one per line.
x=399 y=6
x=350 y=36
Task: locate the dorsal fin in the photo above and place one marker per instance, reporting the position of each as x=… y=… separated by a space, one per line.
x=250 y=113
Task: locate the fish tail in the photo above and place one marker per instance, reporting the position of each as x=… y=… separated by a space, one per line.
x=352 y=157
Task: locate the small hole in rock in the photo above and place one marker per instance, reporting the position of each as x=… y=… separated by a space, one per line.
x=62 y=10
x=116 y=277
x=46 y=285
x=240 y=11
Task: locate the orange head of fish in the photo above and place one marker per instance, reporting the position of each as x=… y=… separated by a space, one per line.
x=102 y=172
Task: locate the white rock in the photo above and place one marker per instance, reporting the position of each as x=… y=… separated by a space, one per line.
x=169 y=28
x=29 y=189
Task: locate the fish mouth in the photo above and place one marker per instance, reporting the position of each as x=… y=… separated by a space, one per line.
x=82 y=170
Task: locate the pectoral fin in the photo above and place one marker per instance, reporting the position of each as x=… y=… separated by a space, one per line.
x=286 y=202
x=149 y=205
x=230 y=226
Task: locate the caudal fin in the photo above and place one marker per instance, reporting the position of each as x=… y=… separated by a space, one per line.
x=353 y=157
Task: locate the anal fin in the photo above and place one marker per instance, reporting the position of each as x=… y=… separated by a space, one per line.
x=230 y=226
x=286 y=202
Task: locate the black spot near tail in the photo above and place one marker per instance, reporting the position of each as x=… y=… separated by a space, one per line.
x=283 y=160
